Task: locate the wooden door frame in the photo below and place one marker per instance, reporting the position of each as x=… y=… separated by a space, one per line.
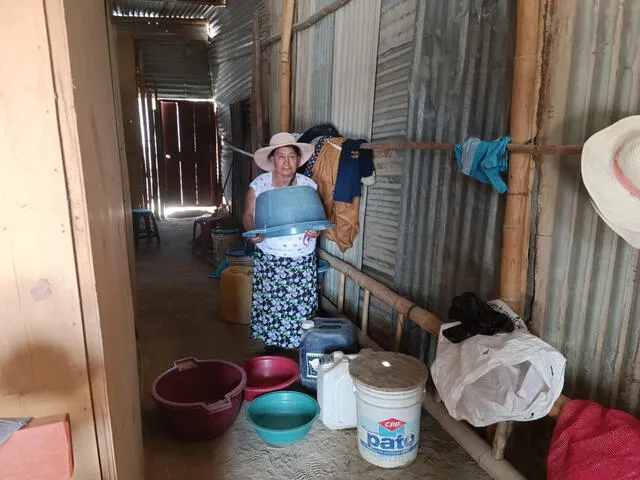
x=66 y=187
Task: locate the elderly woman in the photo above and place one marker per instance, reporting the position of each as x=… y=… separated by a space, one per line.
x=284 y=268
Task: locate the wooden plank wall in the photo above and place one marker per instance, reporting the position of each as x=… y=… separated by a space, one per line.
x=67 y=340
x=95 y=184
x=43 y=364
x=131 y=117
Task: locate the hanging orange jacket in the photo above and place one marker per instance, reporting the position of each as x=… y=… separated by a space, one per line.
x=346 y=216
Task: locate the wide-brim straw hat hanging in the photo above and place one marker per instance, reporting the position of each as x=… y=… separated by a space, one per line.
x=282 y=139
x=611 y=174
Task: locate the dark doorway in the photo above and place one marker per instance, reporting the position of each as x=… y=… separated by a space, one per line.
x=191 y=167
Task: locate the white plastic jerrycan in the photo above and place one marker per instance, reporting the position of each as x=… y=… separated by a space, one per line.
x=336 y=394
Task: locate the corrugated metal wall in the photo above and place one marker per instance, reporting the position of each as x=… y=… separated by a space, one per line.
x=230 y=56
x=586 y=289
x=175 y=70
x=313 y=68
x=377 y=85
x=356 y=31
x=391 y=104
x=272 y=22
x=450 y=228
x=586 y=301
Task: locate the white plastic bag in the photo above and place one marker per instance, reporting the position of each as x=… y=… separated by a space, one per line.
x=506 y=376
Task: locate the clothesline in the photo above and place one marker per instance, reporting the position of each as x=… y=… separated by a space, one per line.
x=236 y=149
x=512 y=147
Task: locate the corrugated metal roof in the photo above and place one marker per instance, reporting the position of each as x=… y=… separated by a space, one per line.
x=450 y=230
x=586 y=301
x=166 y=9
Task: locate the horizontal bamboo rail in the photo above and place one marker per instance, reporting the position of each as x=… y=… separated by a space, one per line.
x=404 y=307
x=512 y=147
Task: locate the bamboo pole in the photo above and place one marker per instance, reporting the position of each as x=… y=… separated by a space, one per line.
x=265 y=80
x=288 y=7
x=468 y=439
x=365 y=312
x=516 y=228
x=523 y=110
x=425 y=319
x=512 y=147
x=256 y=114
x=313 y=19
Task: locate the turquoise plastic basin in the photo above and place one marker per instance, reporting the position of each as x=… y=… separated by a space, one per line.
x=288 y=211
x=284 y=417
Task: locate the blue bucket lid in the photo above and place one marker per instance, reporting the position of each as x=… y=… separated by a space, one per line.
x=226 y=230
x=323 y=266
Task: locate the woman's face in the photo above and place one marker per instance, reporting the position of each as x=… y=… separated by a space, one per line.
x=285 y=160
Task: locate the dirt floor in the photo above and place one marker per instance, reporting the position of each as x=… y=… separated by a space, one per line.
x=177 y=318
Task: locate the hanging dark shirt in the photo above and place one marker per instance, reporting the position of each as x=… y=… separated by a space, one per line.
x=355 y=163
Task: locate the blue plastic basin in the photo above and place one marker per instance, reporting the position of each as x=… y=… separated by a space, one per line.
x=288 y=211
x=284 y=417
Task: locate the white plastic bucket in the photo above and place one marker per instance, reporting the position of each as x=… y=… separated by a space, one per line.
x=388 y=424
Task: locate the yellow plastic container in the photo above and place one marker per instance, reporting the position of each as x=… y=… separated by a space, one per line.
x=236 y=284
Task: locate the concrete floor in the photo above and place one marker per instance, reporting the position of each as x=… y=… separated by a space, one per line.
x=178 y=317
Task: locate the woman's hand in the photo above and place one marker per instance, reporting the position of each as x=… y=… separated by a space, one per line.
x=309 y=235
x=256 y=239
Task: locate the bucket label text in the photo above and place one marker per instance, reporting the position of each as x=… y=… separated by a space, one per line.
x=391 y=438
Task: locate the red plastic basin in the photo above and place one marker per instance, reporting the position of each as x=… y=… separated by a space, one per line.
x=268 y=374
x=199 y=399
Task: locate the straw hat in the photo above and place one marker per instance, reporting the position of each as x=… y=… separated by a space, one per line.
x=282 y=139
x=611 y=173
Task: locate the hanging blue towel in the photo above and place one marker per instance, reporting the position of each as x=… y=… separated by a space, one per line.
x=484 y=161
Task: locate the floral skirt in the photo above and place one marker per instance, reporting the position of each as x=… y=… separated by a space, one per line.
x=285 y=293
